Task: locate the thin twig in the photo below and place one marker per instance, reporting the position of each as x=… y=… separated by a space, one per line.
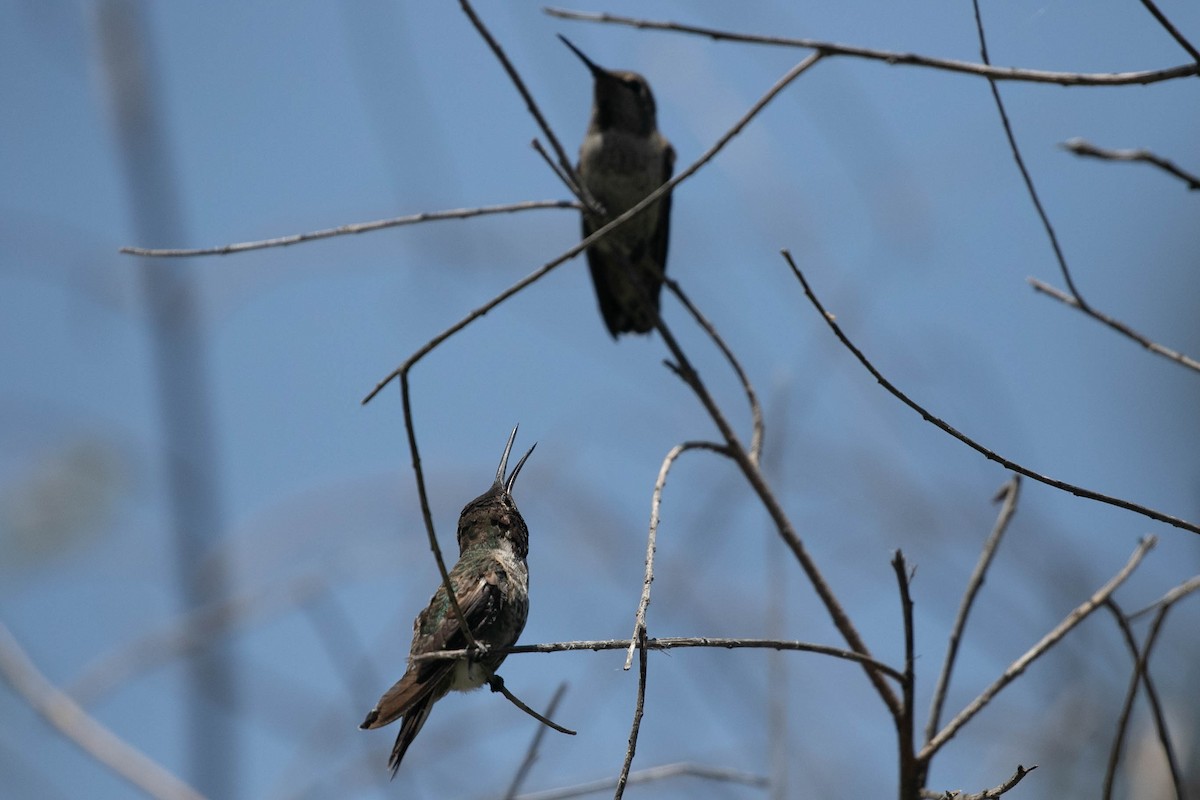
x=991 y=455
x=534 y=745
x=1117 y=325
x=675 y=642
x=894 y=58
x=650 y=775
x=986 y=794
x=638 y=711
x=756 y=415
x=1171 y=29
x=1141 y=674
x=1010 y=493
x=1025 y=176
x=586 y=199
x=1170 y=598
x=912 y=773
x=564 y=161
x=1082 y=147
x=1048 y=641
x=496 y=684
x=639 y=618
x=83 y=730
x=427 y=515
x=356 y=227
x=604 y=230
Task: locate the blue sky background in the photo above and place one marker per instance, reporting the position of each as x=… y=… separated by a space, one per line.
x=897 y=194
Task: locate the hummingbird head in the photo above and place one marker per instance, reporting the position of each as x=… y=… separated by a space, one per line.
x=622 y=101
x=493 y=516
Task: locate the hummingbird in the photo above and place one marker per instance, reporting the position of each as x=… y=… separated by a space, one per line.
x=491 y=583
x=622 y=159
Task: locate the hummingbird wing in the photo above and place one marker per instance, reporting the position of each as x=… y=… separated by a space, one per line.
x=610 y=310
x=662 y=232
x=662 y=235
x=620 y=288
x=437 y=628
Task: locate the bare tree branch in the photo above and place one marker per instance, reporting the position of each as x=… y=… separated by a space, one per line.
x=1141 y=674
x=638 y=710
x=639 y=618
x=991 y=455
x=85 y=731
x=1048 y=641
x=1082 y=147
x=574 y=184
x=355 y=227
x=675 y=642
x=496 y=684
x=756 y=415
x=1171 y=29
x=1117 y=325
x=650 y=775
x=986 y=794
x=1170 y=598
x=1025 y=176
x=534 y=745
x=912 y=771
x=893 y=58
x=1010 y=493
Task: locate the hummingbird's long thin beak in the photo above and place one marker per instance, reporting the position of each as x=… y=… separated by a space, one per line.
x=595 y=68
x=517 y=469
x=504 y=458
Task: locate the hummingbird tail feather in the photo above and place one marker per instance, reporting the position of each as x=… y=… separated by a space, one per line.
x=409 y=728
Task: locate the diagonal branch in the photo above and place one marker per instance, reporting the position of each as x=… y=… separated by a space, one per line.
x=496 y=684
x=1120 y=327
x=1010 y=492
x=1008 y=464
x=573 y=183
x=1025 y=176
x=1048 y=641
x=1171 y=29
x=1141 y=674
x=892 y=57
x=756 y=415
x=1170 y=598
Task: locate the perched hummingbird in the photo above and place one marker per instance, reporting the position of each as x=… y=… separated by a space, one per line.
x=491 y=582
x=622 y=159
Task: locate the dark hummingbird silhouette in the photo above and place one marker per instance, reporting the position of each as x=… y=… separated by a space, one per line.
x=491 y=583
x=622 y=159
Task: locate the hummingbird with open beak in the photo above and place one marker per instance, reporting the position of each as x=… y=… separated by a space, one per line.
x=491 y=583
x=622 y=159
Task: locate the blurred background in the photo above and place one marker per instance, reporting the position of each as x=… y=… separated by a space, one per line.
x=211 y=544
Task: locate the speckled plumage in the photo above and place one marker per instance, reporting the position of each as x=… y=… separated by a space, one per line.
x=491 y=582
